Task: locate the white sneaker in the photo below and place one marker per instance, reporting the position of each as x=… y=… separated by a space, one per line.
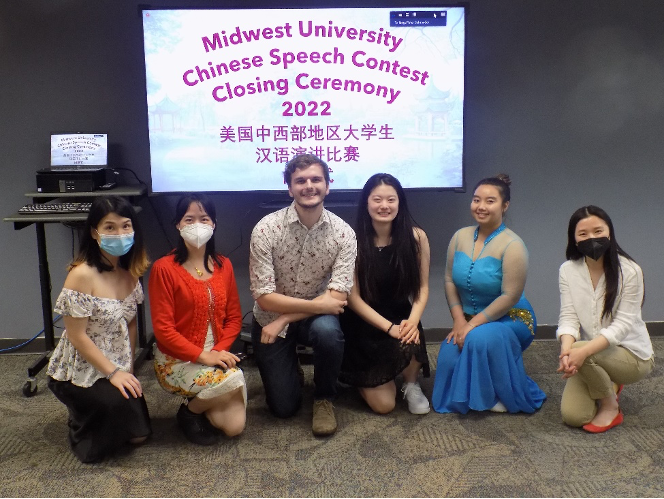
x=499 y=407
x=417 y=402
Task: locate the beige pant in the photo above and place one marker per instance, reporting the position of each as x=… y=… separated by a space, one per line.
x=595 y=380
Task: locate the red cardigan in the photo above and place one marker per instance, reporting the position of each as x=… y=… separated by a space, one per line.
x=179 y=307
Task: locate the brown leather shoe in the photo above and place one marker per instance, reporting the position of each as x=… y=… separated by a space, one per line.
x=324 y=423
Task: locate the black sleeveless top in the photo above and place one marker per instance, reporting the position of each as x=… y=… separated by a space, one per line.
x=371 y=356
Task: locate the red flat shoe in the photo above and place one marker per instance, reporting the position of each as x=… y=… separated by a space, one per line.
x=591 y=428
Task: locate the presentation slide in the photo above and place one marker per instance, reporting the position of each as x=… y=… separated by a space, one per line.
x=233 y=95
x=79 y=149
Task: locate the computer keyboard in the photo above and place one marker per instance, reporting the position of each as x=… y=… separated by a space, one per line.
x=31 y=209
x=74 y=169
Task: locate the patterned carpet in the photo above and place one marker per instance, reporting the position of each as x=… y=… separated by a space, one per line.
x=398 y=455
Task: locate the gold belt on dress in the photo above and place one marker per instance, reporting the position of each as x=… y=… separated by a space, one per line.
x=521 y=314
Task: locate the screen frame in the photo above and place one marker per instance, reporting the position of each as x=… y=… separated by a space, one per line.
x=344 y=4
x=73 y=166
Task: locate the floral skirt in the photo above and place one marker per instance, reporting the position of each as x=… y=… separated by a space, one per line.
x=190 y=379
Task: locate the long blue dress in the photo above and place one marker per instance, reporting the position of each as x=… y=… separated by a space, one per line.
x=489 y=368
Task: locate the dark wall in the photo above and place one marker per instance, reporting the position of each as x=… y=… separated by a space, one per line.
x=564 y=96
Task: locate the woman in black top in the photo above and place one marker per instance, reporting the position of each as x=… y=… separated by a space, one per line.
x=382 y=329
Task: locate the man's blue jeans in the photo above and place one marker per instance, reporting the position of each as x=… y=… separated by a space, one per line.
x=277 y=362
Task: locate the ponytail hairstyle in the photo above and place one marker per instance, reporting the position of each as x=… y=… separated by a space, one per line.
x=406 y=256
x=612 y=268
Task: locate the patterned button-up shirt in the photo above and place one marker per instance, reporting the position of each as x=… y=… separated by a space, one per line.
x=289 y=259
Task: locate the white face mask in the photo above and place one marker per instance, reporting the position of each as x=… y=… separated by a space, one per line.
x=197 y=234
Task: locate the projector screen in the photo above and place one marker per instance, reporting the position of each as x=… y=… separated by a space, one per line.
x=232 y=95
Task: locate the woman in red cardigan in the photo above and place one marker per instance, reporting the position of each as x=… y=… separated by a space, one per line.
x=196 y=317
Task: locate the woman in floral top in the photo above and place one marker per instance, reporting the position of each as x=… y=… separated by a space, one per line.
x=91 y=369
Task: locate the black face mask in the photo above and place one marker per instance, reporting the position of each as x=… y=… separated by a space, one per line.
x=594 y=247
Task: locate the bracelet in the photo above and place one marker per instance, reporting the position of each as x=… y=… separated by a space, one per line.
x=111 y=375
x=388 y=329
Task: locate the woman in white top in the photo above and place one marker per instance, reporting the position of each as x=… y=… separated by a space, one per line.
x=604 y=342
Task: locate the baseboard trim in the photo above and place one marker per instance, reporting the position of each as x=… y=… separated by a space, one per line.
x=35 y=346
x=433 y=335
x=544 y=332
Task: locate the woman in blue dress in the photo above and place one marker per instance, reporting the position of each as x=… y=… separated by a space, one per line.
x=480 y=366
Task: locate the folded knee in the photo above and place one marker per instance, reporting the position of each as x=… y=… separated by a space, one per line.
x=382 y=406
x=234 y=428
x=477 y=340
x=282 y=410
x=574 y=418
x=326 y=328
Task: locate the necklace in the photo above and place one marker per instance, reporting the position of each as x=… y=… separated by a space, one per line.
x=381 y=248
x=199 y=272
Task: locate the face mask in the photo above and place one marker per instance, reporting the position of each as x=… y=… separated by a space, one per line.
x=197 y=234
x=116 y=244
x=594 y=247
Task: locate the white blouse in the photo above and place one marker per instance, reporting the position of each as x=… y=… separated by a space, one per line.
x=108 y=321
x=581 y=307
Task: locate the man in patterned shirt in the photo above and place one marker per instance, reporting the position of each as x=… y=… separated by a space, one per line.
x=301 y=265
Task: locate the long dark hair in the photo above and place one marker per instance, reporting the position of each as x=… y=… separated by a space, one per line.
x=181 y=253
x=612 y=269
x=406 y=249
x=135 y=260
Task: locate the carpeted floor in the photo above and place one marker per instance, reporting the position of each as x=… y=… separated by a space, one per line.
x=398 y=455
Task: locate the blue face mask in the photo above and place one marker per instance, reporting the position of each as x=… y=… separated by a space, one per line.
x=116 y=244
